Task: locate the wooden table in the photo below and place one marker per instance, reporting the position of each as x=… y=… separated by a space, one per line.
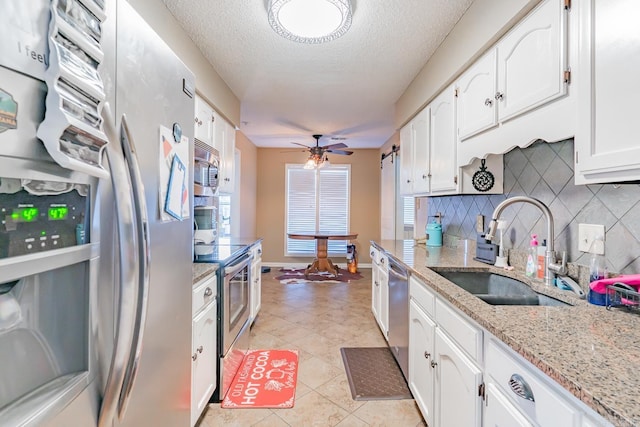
x=322 y=263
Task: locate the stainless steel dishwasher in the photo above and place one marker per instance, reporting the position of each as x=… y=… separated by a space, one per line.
x=399 y=314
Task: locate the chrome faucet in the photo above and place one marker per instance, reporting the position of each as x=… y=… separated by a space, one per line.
x=551 y=268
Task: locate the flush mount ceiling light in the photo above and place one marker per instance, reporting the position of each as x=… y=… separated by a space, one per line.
x=310 y=21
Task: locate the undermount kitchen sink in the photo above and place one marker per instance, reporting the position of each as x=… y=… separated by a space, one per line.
x=495 y=289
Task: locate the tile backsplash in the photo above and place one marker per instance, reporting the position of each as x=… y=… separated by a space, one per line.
x=545 y=171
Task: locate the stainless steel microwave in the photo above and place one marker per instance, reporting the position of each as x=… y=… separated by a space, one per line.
x=206 y=167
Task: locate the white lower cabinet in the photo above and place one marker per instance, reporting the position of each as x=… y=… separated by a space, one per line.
x=256 y=281
x=457 y=386
x=203 y=378
x=422 y=333
x=444 y=380
x=380 y=290
x=461 y=375
x=499 y=411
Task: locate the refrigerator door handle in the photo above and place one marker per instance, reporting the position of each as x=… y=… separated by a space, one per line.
x=142 y=228
x=128 y=275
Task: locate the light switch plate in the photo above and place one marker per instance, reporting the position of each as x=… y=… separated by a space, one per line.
x=480 y=224
x=587 y=233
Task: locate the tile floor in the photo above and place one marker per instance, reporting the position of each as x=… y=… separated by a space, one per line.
x=317 y=319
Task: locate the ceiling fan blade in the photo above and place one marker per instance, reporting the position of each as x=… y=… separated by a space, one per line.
x=332 y=146
x=346 y=153
x=302 y=145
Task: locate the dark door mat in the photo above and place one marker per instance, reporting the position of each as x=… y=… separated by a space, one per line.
x=374 y=374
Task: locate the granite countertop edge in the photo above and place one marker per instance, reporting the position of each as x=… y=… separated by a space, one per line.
x=586 y=349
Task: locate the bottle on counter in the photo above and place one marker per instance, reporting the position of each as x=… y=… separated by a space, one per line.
x=597 y=263
x=542 y=252
x=531 y=270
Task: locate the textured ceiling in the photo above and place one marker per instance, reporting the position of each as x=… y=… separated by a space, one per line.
x=344 y=88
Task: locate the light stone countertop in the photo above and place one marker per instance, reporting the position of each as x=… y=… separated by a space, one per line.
x=592 y=352
x=201 y=270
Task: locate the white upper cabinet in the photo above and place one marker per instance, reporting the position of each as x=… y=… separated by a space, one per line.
x=532 y=61
x=226 y=176
x=421 y=159
x=517 y=91
x=414 y=155
x=203 y=121
x=476 y=92
x=607 y=142
x=443 y=171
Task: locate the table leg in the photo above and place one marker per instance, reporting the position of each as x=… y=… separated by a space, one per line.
x=321 y=263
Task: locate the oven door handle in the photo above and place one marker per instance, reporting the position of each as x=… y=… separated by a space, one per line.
x=237 y=265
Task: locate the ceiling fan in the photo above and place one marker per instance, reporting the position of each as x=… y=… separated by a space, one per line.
x=317 y=155
x=319 y=151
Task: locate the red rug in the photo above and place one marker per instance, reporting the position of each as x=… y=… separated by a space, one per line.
x=266 y=379
x=297 y=276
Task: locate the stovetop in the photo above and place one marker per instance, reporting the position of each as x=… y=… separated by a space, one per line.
x=218 y=253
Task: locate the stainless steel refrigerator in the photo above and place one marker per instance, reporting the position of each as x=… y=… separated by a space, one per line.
x=95 y=276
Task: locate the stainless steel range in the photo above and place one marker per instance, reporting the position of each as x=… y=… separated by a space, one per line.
x=234 y=280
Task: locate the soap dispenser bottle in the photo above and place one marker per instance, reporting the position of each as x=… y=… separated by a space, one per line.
x=531 y=268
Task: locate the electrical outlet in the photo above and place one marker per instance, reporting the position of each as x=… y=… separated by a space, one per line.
x=587 y=233
x=480 y=223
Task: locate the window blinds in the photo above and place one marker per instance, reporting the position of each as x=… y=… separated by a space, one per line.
x=317 y=202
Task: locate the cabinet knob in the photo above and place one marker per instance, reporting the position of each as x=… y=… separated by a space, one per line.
x=434 y=363
x=408 y=181
x=424 y=176
x=488 y=102
x=194 y=357
x=208 y=292
x=499 y=96
x=199 y=350
x=196 y=120
x=427 y=355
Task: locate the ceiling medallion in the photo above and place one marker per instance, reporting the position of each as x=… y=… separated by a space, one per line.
x=310 y=21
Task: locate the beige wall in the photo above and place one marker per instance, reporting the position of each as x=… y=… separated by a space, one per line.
x=365 y=200
x=208 y=83
x=481 y=26
x=248 y=186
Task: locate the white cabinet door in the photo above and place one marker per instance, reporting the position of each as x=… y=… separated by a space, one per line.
x=227 y=155
x=532 y=61
x=421 y=353
x=456 y=387
x=443 y=143
x=203 y=121
x=406 y=160
x=499 y=412
x=256 y=281
x=421 y=161
x=607 y=139
x=384 y=302
x=204 y=360
x=217 y=132
x=476 y=92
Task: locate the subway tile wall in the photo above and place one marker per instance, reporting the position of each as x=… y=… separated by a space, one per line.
x=545 y=172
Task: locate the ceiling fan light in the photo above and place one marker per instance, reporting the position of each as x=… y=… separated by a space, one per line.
x=310 y=21
x=310 y=163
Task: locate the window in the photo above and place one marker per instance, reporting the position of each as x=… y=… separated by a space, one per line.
x=317 y=201
x=408 y=213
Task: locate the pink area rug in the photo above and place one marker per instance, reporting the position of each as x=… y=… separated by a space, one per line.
x=297 y=276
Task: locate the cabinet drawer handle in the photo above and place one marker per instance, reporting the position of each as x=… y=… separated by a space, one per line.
x=488 y=102
x=499 y=96
x=194 y=357
x=208 y=292
x=427 y=355
x=199 y=350
x=434 y=363
x=520 y=387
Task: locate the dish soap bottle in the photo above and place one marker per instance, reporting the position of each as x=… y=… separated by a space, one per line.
x=532 y=258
